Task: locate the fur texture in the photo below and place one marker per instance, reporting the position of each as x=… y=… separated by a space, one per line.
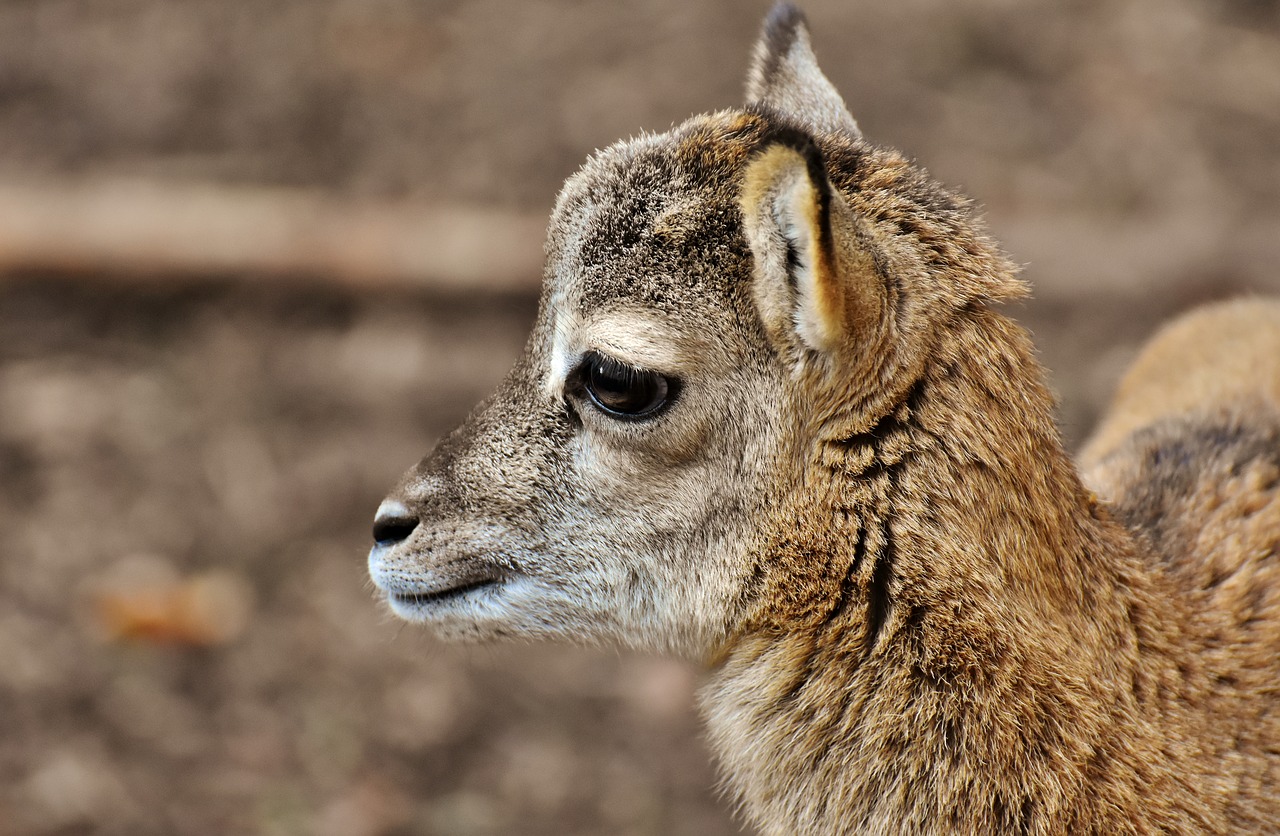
x=854 y=505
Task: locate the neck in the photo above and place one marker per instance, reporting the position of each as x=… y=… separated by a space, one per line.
x=965 y=639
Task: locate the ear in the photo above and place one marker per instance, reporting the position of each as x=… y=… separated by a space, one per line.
x=785 y=76
x=815 y=278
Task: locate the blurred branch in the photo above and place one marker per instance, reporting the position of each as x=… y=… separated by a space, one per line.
x=153 y=229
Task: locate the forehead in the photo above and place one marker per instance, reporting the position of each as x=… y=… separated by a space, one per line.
x=653 y=224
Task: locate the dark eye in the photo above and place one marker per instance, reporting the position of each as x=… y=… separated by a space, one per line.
x=625 y=392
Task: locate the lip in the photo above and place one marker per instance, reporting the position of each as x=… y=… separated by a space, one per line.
x=417 y=587
x=418 y=599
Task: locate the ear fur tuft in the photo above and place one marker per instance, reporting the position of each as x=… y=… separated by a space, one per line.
x=785 y=76
x=784 y=23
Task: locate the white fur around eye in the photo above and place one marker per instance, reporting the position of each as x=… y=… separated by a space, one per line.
x=561 y=357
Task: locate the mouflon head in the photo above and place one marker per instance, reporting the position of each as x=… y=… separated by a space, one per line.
x=719 y=300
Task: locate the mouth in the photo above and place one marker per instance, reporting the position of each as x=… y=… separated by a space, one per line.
x=414 y=604
x=436 y=596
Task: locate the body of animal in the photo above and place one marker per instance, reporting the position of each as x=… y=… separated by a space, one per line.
x=770 y=419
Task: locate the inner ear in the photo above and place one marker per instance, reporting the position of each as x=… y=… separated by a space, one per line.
x=792 y=217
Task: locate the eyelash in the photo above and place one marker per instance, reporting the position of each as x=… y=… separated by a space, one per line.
x=623 y=392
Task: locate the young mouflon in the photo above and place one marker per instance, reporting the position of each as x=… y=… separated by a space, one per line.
x=769 y=420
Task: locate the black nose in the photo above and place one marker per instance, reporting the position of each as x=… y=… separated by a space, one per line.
x=393 y=523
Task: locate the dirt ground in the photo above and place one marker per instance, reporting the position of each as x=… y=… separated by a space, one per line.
x=229 y=437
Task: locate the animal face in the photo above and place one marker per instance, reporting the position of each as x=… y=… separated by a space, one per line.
x=718 y=300
x=606 y=489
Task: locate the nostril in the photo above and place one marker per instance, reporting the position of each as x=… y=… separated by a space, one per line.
x=393 y=523
x=388 y=530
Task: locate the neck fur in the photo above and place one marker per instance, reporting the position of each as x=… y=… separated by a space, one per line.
x=949 y=635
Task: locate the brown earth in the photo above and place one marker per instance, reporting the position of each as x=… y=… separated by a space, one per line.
x=152 y=433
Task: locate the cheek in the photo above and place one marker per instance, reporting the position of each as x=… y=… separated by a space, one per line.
x=714 y=453
x=639 y=490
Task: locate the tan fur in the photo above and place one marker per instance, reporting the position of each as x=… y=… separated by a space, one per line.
x=855 y=508
x=1222 y=354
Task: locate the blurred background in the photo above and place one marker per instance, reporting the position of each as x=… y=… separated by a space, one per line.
x=256 y=256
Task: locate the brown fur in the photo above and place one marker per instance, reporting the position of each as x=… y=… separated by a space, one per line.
x=857 y=510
